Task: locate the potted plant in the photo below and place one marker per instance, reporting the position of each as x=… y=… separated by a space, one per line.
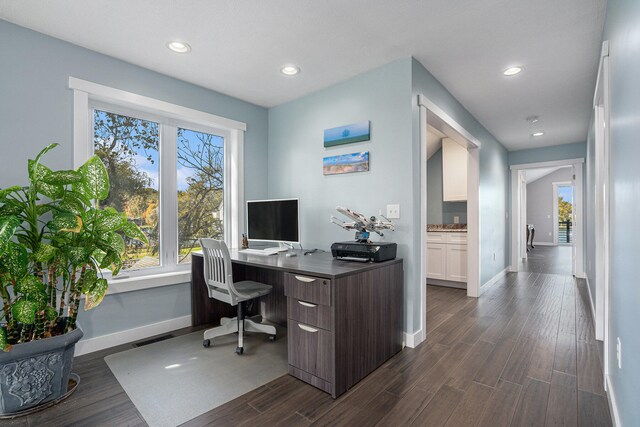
x=55 y=242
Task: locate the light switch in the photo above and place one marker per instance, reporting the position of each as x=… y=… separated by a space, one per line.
x=456 y=220
x=393 y=211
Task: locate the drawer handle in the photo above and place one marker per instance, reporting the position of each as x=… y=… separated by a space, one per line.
x=307 y=328
x=307 y=304
x=305 y=279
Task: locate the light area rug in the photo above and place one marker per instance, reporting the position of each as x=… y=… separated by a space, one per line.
x=173 y=381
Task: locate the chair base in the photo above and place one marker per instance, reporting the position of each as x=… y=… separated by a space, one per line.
x=230 y=326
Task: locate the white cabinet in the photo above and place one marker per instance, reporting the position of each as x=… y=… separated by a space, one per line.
x=436 y=261
x=447 y=256
x=454 y=171
x=456 y=263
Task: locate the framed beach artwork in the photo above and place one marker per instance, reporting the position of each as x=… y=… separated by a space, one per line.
x=348 y=134
x=346 y=163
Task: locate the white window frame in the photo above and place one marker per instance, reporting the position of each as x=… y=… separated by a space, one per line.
x=89 y=96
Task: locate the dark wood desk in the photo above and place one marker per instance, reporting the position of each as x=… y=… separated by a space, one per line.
x=344 y=318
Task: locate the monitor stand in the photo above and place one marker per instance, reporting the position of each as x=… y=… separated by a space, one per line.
x=282 y=247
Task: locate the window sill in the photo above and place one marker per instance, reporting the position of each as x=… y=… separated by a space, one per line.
x=137 y=283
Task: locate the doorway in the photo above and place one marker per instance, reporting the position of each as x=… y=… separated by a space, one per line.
x=433 y=116
x=546 y=206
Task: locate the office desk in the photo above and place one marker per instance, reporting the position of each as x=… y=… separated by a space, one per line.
x=344 y=318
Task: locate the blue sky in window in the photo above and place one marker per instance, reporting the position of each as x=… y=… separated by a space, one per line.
x=566 y=193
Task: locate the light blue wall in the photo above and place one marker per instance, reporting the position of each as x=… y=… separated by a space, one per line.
x=576 y=150
x=494 y=173
x=438 y=211
x=296 y=150
x=622 y=29
x=36 y=109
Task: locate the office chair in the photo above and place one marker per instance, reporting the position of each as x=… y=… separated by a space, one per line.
x=218 y=277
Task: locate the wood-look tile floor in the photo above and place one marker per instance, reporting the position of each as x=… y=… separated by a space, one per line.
x=548 y=259
x=523 y=353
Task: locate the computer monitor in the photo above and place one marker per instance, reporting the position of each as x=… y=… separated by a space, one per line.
x=273 y=220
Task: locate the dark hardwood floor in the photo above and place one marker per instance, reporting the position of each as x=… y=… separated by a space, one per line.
x=524 y=353
x=548 y=259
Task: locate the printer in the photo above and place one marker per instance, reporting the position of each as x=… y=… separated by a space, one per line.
x=364 y=251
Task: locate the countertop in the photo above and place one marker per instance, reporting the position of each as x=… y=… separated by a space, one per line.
x=447 y=228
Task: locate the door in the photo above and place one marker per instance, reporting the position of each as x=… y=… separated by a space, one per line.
x=436 y=261
x=456 y=269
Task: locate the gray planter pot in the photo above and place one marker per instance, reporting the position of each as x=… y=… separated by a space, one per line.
x=36 y=372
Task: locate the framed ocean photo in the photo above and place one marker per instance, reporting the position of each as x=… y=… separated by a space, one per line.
x=348 y=134
x=346 y=163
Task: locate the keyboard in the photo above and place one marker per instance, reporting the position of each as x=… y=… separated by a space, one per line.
x=257 y=252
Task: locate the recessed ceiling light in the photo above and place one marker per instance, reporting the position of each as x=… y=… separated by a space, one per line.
x=533 y=119
x=179 y=47
x=290 y=70
x=537 y=134
x=512 y=71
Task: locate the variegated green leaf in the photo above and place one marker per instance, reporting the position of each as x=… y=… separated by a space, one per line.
x=64 y=177
x=72 y=205
x=77 y=197
x=50 y=313
x=77 y=255
x=37 y=172
x=29 y=284
x=24 y=311
x=95 y=179
x=44 y=253
x=39 y=298
x=33 y=164
x=66 y=221
x=108 y=219
x=131 y=230
x=8 y=226
x=6 y=191
x=3 y=339
x=115 y=242
x=89 y=279
x=96 y=295
x=14 y=260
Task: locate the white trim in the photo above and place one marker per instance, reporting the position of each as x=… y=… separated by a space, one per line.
x=613 y=405
x=431 y=114
x=137 y=283
x=516 y=235
x=495 y=278
x=81 y=128
x=235 y=215
x=91 y=345
x=552 y=163
x=440 y=117
x=593 y=308
x=414 y=339
x=108 y=94
x=544 y=244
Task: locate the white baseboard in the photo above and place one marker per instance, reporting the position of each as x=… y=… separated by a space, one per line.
x=613 y=406
x=544 y=244
x=111 y=340
x=497 y=277
x=414 y=339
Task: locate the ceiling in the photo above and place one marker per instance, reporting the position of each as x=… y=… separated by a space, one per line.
x=238 y=48
x=532 y=175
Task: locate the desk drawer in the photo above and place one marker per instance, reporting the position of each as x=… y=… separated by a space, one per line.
x=309 y=313
x=310 y=349
x=308 y=288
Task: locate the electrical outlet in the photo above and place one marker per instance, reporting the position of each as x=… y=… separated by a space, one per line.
x=393 y=211
x=619 y=352
x=456 y=220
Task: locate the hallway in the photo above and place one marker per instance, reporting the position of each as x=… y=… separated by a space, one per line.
x=548 y=259
x=524 y=353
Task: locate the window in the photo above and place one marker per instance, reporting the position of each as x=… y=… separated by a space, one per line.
x=174 y=171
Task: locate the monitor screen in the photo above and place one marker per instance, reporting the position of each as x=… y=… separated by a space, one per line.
x=273 y=220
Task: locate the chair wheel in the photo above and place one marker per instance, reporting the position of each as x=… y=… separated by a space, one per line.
x=206 y=343
x=239 y=350
x=272 y=337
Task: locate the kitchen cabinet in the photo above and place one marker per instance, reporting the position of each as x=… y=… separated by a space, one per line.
x=454 y=171
x=447 y=256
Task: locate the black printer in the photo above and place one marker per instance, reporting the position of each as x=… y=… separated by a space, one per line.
x=364 y=251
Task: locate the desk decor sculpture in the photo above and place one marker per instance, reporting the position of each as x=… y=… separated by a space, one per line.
x=363 y=249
